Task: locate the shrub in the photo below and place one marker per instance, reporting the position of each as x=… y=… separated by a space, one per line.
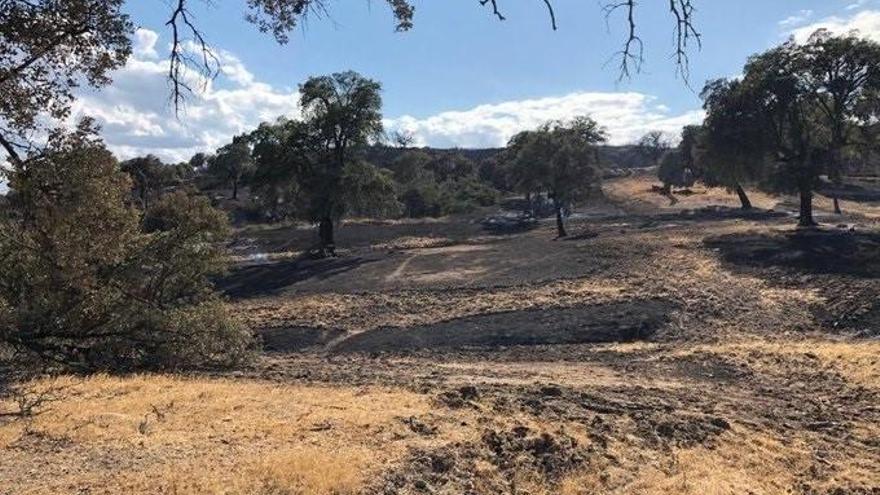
x=83 y=285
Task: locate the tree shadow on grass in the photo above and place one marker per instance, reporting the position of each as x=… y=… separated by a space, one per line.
x=273 y=278
x=813 y=251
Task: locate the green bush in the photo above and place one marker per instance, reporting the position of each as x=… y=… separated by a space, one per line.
x=85 y=284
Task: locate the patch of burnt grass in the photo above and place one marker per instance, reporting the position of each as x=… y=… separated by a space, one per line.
x=819 y=251
x=619 y=321
x=490 y=465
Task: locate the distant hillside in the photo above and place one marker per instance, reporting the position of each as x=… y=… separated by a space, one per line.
x=611 y=156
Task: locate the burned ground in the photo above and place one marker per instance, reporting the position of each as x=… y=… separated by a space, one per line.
x=691 y=348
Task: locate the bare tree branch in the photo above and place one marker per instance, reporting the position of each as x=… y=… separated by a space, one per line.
x=683 y=11
x=207 y=68
x=632 y=54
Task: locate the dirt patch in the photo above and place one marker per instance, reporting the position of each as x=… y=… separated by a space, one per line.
x=610 y=322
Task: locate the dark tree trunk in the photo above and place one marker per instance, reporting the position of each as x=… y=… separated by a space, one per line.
x=743 y=198
x=325 y=233
x=235 y=189
x=837 y=210
x=560 y=225
x=806 y=216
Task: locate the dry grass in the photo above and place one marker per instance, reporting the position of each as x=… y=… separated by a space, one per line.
x=174 y=435
x=858 y=362
x=362 y=312
x=740 y=461
x=413 y=242
x=638 y=189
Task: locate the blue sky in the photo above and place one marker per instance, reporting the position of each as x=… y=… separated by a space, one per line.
x=460 y=77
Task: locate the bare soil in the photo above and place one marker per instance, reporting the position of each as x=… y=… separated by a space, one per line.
x=687 y=348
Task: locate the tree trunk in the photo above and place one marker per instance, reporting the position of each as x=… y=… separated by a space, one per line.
x=325 y=233
x=806 y=217
x=235 y=189
x=743 y=198
x=560 y=226
x=837 y=210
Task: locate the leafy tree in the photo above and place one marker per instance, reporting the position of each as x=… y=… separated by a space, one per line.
x=198 y=161
x=313 y=165
x=146 y=175
x=232 y=163
x=47 y=49
x=677 y=167
x=560 y=158
x=344 y=112
x=281 y=153
x=653 y=146
x=491 y=171
x=83 y=286
x=732 y=119
x=451 y=167
x=842 y=73
x=688 y=146
x=369 y=191
x=775 y=108
x=410 y=166
x=794 y=111
x=673 y=171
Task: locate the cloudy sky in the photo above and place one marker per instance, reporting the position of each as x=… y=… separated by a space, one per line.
x=460 y=78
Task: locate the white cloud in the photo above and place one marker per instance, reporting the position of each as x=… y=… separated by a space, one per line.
x=145 y=43
x=857 y=4
x=137 y=117
x=626 y=116
x=796 y=19
x=866 y=23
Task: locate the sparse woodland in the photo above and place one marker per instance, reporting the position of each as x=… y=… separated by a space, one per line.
x=322 y=306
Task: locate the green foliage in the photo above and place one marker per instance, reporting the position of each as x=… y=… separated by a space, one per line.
x=411 y=166
x=792 y=115
x=83 y=285
x=673 y=170
x=560 y=158
x=146 y=176
x=451 y=167
x=232 y=163
x=47 y=49
x=311 y=168
x=432 y=186
x=369 y=191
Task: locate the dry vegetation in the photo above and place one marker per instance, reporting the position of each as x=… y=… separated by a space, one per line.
x=756 y=374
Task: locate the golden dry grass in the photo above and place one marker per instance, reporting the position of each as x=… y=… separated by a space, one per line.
x=858 y=362
x=161 y=434
x=361 y=312
x=638 y=188
x=740 y=461
x=175 y=435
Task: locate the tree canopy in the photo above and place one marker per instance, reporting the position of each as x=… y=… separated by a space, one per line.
x=790 y=116
x=559 y=158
